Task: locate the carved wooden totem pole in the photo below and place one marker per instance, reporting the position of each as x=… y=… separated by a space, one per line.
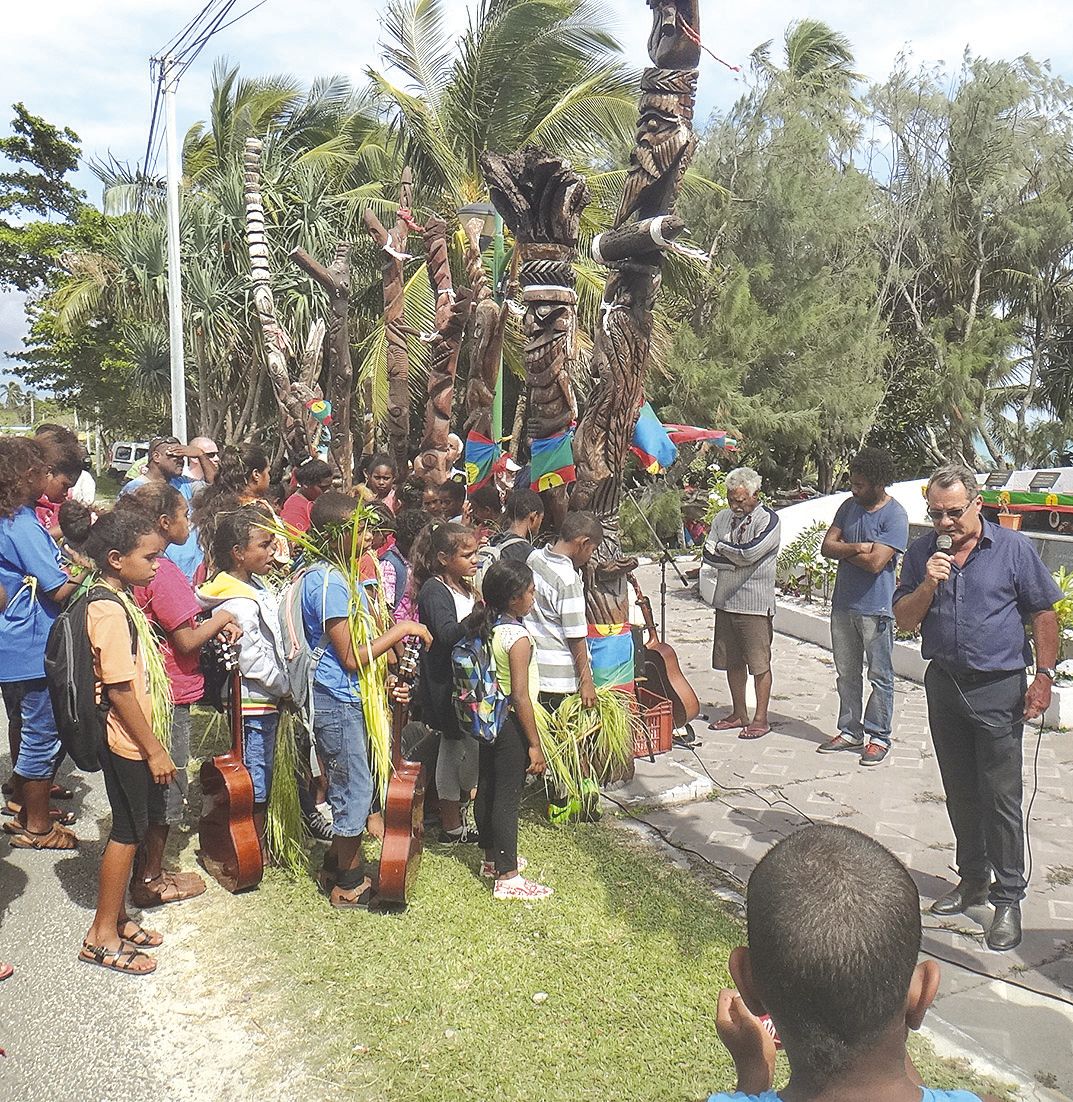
x=293 y=378
x=541 y=199
x=644 y=229
x=452 y=313
x=393 y=244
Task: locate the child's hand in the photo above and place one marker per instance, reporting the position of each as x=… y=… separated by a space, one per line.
x=747 y=1041
x=162 y=767
x=587 y=692
x=230 y=633
x=412 y=627
x=398 y=690
x=537 y=762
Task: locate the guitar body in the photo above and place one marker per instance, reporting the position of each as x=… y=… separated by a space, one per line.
x=404 y=807
x=662 y=671
x=229 y=849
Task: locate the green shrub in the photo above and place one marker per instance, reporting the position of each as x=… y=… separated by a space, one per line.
x=663 y=510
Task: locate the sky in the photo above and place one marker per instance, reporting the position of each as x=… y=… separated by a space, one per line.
x=85 y=63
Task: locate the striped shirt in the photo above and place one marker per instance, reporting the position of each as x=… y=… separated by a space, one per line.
x=743 y=551
x=558 y=614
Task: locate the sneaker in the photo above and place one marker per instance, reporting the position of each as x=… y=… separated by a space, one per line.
x=488 y=868
x=463 y=834
x=517 y=887
x=318 y=826
x=874 y=753
x=839 y=742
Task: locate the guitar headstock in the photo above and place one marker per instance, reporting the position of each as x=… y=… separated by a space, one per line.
x=224 y=652
x=406 y=670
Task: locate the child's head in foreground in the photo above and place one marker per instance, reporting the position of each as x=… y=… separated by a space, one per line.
x=834 y=935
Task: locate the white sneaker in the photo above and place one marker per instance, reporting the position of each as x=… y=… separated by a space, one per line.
x=517 y=887
x=488 y=868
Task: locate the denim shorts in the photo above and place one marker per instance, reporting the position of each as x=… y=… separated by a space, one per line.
x=167 y=803
x=259 y=752
x=339 y=731
x=40 y=749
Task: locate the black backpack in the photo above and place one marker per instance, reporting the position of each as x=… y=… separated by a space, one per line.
x=72 y=683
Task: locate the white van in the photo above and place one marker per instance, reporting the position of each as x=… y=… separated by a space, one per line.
x=124 y=454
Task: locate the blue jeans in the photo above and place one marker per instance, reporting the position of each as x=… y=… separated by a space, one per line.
x=259 y=752
x=858 y=640
x=339 y=732
x=39 y=750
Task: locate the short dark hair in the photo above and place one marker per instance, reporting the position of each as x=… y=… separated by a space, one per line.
x=120 y=530
x=955 y=474
x=380 y=459
x=874 y=464
x=834 y=933
x=62 y=449
x=487 y=497
x=455 y=492
x=579 y=526
x=309 y=474
x=407 y=524
x=411 y=494
x=523 y=503
x=332 y=509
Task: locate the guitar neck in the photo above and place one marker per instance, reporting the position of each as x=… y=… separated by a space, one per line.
x=235 y=713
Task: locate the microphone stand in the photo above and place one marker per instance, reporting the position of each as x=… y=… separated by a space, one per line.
x=665 y=557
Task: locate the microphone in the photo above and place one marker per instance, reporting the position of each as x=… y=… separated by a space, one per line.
x=943 y=542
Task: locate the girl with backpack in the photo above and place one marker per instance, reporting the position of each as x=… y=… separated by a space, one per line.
x=444 y=563
x=243 y=549
x=30 y=574
x=516 y=752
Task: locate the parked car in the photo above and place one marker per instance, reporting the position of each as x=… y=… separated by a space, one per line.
x=124 y=454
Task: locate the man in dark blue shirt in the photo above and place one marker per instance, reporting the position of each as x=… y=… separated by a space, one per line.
x=869 y=532
x=971 y=602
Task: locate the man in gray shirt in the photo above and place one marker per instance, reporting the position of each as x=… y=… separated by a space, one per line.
x=742 y=547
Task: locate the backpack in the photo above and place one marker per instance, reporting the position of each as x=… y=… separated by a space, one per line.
x=402 y=573
x=490 y=553
x=301 y=660
x=480 y=703
x=72 y=682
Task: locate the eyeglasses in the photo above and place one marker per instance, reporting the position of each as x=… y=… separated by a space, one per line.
x=953 y=514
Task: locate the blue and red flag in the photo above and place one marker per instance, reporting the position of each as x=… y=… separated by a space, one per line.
x=651 y=444
x=481 y=454
x=611 y=656
x=552 y=461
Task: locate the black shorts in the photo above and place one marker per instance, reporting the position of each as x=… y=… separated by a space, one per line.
x=128 y=784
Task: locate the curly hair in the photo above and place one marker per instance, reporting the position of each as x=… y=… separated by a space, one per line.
x=158 y=499
x=20 y=459
x=875 y=465
x=120 y=530
x=434 y=541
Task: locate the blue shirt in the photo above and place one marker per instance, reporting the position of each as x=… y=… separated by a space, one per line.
x=29 y=568
x=859 y=590
x=326 y=596
x=187 y=556
x=926 y=1093
x=976 y=618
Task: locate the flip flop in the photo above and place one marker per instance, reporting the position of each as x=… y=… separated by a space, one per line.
x=359 y=903
x=116 y=960
x=6 y=970
x=58 y=792
x=726 y=725
x=754 y=731
x=58 y=838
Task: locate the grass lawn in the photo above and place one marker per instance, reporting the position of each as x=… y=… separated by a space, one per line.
x=447 y=1001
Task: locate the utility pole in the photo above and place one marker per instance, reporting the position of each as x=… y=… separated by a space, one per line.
x=175 y=290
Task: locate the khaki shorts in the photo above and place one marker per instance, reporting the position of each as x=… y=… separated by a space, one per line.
x=742 y=639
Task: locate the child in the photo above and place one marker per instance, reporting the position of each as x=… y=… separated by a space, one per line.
x=452 y=497
x=523 y=516
x=486 y=511
x=508 y=595
x=314 y=478
x=444 y=563
x=170 y=603
x=834 y=937
x=397 y=559
x=125 y=546
x=243 y=550
x=380 y=478
x=30 y=574
x=338 y=721
x=557 y=621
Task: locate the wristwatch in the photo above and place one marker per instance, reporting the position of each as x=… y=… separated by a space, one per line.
x=1048 y=672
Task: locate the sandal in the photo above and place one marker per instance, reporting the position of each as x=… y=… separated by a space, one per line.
x=6 y=970
x=56 y=838
x=727 y=724
x=360 y=902
x=64 y=818
x=755 y=731
x=58 y=792
x=174 y=887
x=141 y=938
x=116 y=960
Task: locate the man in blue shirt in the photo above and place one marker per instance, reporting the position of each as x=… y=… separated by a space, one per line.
x=970 y=601
x=869 y=532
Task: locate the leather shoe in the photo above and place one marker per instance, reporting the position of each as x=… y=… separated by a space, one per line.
x=1005 y=931
x=968 y=893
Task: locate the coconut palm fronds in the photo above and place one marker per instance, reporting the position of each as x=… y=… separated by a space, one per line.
x=283 y=819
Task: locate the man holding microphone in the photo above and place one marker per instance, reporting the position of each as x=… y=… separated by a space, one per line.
x=970 y=587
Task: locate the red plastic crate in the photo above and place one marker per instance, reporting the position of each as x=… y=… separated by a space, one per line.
x=658 y=716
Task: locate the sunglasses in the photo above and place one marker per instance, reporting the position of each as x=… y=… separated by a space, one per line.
x=953 y=514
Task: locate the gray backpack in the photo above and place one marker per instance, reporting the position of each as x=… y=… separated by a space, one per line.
x=301 y=660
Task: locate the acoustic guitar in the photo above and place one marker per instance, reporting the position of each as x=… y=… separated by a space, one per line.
x=404 y=808
x=229 y=848
x=663 y=675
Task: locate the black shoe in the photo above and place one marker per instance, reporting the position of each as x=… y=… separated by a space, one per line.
x=466 y=834
x=319 y=827
x=1005 y=931
x=968 y=893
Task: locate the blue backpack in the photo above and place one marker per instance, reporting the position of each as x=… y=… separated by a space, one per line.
x=480 y=703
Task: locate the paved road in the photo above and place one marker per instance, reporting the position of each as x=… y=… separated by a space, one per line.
x=900 y=803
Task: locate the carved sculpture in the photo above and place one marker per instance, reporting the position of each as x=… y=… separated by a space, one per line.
x=541 y=198
x=393 y=244
x=335 y=279
x=293 y=380
x=633 y=252
x=486 y=346
x=452 y=313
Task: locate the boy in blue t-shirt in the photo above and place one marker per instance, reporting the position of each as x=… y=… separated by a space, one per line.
x=869 y=532
x=834 y=937
x=338 y=719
